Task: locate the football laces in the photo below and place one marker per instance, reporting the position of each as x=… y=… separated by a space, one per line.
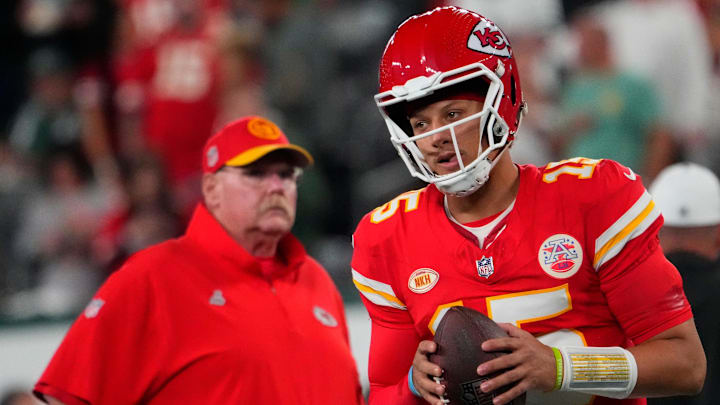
x=443 y=397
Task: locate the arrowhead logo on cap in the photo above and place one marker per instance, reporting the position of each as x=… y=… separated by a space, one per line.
x=263 y=129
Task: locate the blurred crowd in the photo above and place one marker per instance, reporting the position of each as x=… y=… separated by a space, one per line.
x=106 y=105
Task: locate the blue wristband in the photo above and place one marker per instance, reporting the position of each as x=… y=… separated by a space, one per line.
x=411 y=385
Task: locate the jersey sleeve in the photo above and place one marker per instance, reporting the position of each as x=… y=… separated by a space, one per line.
x=106 y=357
x=393 y=339
x=644 y=291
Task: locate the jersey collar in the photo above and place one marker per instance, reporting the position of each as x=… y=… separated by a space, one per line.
x=526 y=173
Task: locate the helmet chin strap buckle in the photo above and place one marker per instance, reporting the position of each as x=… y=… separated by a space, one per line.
x=468 y=182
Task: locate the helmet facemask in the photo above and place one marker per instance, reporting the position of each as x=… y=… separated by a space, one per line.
x=492 y=130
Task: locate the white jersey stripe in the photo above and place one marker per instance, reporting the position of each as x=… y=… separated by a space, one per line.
x=633 y=223
x=376 y=292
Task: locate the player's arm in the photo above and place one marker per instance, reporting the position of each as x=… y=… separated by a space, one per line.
x=644 y=293
x=394 y=340
x=393 y=343
x=392 y=351
x=670 y=363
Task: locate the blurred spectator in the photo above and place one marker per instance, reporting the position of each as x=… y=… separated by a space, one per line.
x=53 y=242
x=241 y=73
x=168 y=96
x=147 y=217
x=711 y=14
x=61 y=113
x=688 y=196
x=16 y=182
x=607 y=112
x=79 y=33
x=665 y=42
x=49 y=119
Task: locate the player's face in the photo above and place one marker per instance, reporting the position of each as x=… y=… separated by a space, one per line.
x=438 y=149
x=260 y=197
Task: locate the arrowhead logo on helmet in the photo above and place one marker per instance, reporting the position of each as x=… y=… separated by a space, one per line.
x=487 y=38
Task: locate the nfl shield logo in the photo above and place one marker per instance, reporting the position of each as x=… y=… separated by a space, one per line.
x=485 y=267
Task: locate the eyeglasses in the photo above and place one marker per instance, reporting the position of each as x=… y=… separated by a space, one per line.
x=259 y=174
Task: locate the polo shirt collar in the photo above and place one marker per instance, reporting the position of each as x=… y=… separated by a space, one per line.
x=207 y=232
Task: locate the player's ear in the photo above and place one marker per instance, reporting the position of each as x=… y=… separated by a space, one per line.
x=210 y=190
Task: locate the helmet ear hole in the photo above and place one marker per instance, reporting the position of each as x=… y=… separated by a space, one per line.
x=513 y=95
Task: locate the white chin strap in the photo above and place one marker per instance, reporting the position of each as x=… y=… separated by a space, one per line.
x=467 y=183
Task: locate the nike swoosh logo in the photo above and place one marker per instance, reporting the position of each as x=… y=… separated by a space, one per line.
x=630 y=175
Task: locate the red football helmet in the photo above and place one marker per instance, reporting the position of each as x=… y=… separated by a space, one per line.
x=444 y=47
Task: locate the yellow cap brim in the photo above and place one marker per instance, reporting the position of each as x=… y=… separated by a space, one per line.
x=252 y=155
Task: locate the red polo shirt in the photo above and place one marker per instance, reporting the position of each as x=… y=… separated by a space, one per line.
x=193 y=321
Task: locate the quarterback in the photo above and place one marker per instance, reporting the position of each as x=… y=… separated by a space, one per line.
x=565 y=257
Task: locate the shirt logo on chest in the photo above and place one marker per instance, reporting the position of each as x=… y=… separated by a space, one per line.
x=93 y=308
x=560 y=256
x=324 y=317
x=217 y=298
x=423 y=280
x=485 y=267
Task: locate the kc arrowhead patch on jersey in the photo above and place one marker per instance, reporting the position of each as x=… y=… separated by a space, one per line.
x=560 y=256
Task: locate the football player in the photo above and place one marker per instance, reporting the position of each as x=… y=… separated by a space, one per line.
x=564 y=256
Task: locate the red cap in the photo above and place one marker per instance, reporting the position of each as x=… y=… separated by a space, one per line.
x=246 y=140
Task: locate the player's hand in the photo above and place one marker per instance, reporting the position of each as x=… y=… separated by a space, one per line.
x=529 y=364
x=423 y=370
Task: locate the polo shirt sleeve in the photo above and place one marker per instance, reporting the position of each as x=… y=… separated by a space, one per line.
x=113 y=350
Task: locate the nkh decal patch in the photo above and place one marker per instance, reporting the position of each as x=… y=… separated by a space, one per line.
x=485 y=267
x=560 y=256
x=486 y=37
x=423 y=280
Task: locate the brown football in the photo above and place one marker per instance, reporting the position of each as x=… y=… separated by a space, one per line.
x=459 y=336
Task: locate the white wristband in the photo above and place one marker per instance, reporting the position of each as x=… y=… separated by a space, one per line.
x=602 y=371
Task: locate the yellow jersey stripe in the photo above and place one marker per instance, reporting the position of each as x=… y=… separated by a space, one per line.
x=379 y=297
x=623 y=235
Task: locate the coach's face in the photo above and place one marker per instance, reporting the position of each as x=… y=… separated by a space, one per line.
x=257 y=198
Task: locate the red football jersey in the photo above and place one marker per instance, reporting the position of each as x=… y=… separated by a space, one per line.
x=576 y=261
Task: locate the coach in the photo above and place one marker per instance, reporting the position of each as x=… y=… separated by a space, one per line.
x=233 y=312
